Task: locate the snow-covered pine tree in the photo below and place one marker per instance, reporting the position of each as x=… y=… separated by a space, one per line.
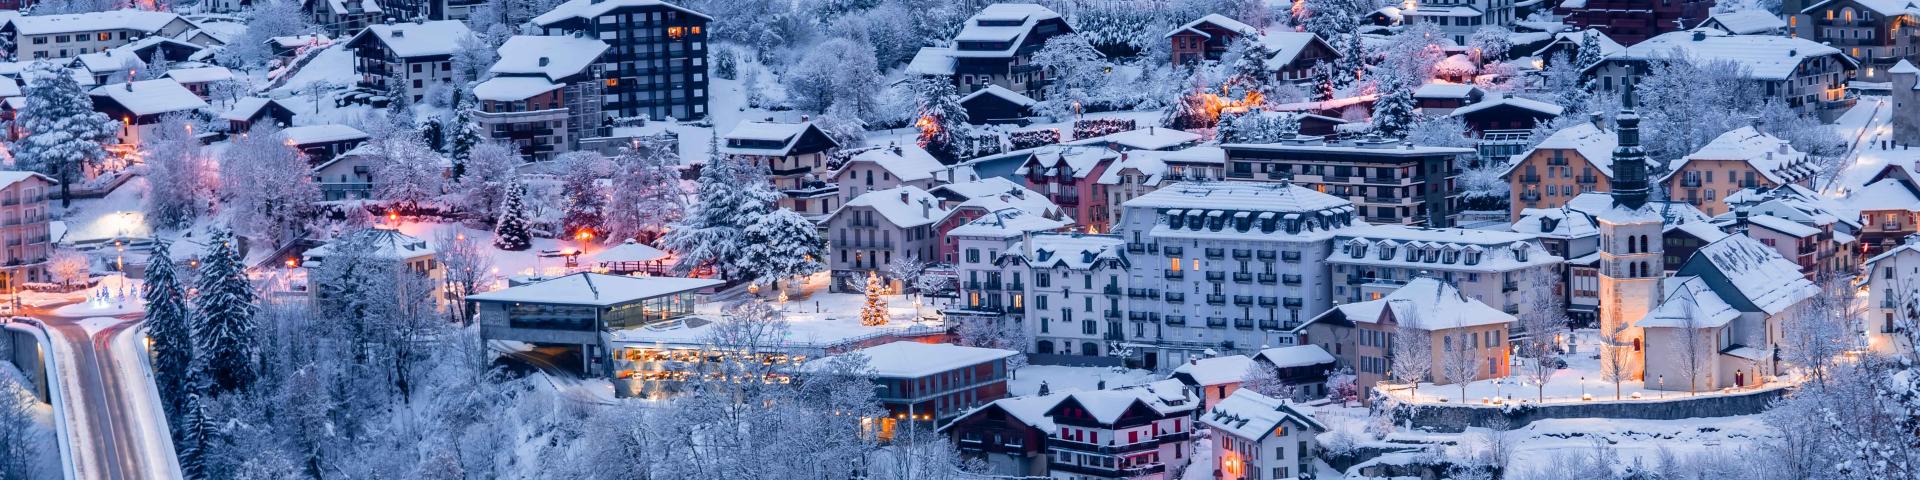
x=1331 y=18
x=942 y=122
x=224 y=331
x=586 y=201
x=647 y=193
x=196 y=430
x=782 y=245
x=1250 y=72
x=481 y=189
x=1590 y=49
x=61 y=132
x=733 y=193
x=170 y=326
x=874 y=312
x=1394 y=111
x=1352 y=63
x=464 y=136
x=510 y=233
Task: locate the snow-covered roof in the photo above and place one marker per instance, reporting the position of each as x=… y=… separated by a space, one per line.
x=1295 y=356
x=1217 y=20
x=555 y=57
x=1883 y=7
x=1746 y=22
x=200 y=74
x=10 y=177
x=312 y=134
x=1079 y=160
x=294 y=41
x=1593 y=142
x=1904 y=67
x=245 y=108
x=937 y=61
x=1150 y=138
x=1689 y=302
x=905 y=206
x=1560 y=222
x=1287 y=46
x=1904 y=248
x=1443 y=11
x=1884 y=194
x=1069 y=250
x=628 y=251
x=587 y=9
x=422 y=39
x=509 y=89
x=127 y=19
x=594 y=289
x=1442 y=90
x=151 y=97
x=1426 y=303
x=1250 y=415
x=1166 y=398
x=1796 y=203
x=1764 y=57
x=1782 y=225
x=1021 y=18
x=1008 y=223
x=1230 y=195
x=999 y=193
x=1003 y=93
x=9 y=87
x=1597 y=204
x=756 y=131
x=1422 y=247
x=354 y=7
x=1207 y=372
x=1774 y=158
x=1576 y=38
x=1516 y=102
x=1705 y=231
x=1150 y=163
x=1207 y=154
x=1757 y=272
x=905 y=165
x=386 y=243
x=905 y=359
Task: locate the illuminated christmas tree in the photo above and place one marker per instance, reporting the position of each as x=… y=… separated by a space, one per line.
x=875 y=313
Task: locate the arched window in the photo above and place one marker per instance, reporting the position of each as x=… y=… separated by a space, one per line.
x=1636 y=344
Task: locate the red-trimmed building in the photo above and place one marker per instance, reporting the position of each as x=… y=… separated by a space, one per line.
x=1631 y=21
x=1131 y=432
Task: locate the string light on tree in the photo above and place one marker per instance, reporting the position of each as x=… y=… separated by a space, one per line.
x=875 y=312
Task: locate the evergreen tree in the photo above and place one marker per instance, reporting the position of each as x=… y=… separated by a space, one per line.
x=733 y=194
x=1352 y=62
x=1590 y=49
x=586 y=205
x=874 y=313
x=783 y=245
x=62 y=132
x=224 y=333
x=510 y=233
x=1330 y=18
x=942 y=121
x=465 y=135
x=1394 y=111
x=1250 y=72
x=170 y=325
x=196 y=431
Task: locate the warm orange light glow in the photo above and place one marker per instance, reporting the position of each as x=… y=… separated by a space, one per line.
x=293 y=263
x=676 y=32
x=393 y=216
x=584 y=235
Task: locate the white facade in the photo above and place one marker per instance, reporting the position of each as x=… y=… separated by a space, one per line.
x=1492 y=267
x=1893 y=278
x=1260 y=438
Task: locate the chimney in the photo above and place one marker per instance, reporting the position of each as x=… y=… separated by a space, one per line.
x=1740 y=219
x=1594 y=117
x=399 y=33
x=926 y=209
x=543 y=61
x=903 y=196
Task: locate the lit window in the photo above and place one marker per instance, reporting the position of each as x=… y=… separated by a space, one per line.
x=676 y=32
x=104 y=36
x=694 y=30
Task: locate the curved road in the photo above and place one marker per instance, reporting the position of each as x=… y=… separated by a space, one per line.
x=108 y=401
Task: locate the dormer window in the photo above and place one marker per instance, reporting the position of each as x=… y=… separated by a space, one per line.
x=1473 y=258
x=1357 y=250
x=1520 y=253
x=1386 y=252
x=1451 y=256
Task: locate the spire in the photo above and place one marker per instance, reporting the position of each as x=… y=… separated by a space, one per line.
x=1629 y=160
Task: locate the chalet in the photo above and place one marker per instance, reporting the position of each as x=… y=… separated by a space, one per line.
x=545 y=95
x=1130 y=432
x=290 y=46
x=1630 y=22
x=200 y=80
x=1575 y=160
x=1802 y=74
x=995 y=104
x=343 y=18
x=139 y=106
x=883 y=168
x=1836 y=242
x=972 y=200
x=1261 y=437
x=995 y=47
x=795 y=155
x=1502 y=126
x=323 y=142
x=252 y=110
x=873 y=229
x=1746 y=22
x=1207 y=38
x=1568 y=44
x=1301 y=368
x=1439 y=99
x=118 y=63
x=1067 y=175
x=69 y=35
x=1889 y=207
x=407 y=58
x=1459 y=18
x=1359 y=333
x=1876 y=34
x=1574 y=236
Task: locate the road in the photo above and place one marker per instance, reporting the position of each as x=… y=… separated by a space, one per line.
x=117 y=435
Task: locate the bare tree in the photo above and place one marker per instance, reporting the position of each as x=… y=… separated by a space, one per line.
x=1264 y=380
x=1459 y=361
x=1412 y=355
x=1546 y=315
x=1686 y=348
x=68 y=267
x=468 y=270
x=906 y=269
x=1616 y=356
x=1820 y=331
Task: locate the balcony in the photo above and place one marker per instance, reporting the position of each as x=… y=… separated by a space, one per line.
x=1269 y=301
x=994 y=286
x=1292 y=302
x=1336 y=178
x=1269 y=324
x=1173 y=297
x=1137 y=316
x=1243 y=300
x=1530 y=178
x=1242 y=277
x=1268 y=255
x=1110 y=289
x=1173 y=251
x=1137 y=247
x=1242 y=254
x=1689 y=182
x=1509 y=287
x=1216 y=321
x=1216 y=253
x=1017 y=287
x=1176 y=319
x=1268 y=278
x=1354 y=280
x=1017 y=309
x=1112 y=314
x=1216 y=276
x=1530 y=196
x=972 y=285
x=1176 y=274
x=1290 y=257
x=1243 y=323
x=1889 y=303
x=1216 y=299
x=1291 y=279
x=1587 y=179
x=1384 y=180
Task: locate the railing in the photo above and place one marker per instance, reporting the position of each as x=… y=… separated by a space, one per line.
x=1242 y=300
x=1290 y=257
x=1216 y=321
x=1509 y=287
x=1112 y=314
x=1530 y=178
x=1268 y=254
x=1291 y=279
x=1270 y=324
x=1384 y=180
x=991 y=285
x=1173 y=251
x=1216 y=253
x=1336 y=178
x=1242 y=254
x=1292 y=302
x=1110 y=289
x=1689 y=182
x=1216 y=276
x=1586 y=179
x=1530 y=196
x=1243 y=323
x=1173 y=297
x=1176 y=319
x=1217 y=299
x=1175 y=274
x=1267 y=278
x=1242 y=277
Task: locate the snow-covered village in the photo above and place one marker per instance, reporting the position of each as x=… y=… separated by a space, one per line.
x=959 y=239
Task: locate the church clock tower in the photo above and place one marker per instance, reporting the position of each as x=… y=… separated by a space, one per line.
x=1631 y=262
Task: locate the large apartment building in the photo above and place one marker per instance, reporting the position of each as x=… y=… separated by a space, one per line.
x=656 y=65
x=1633 y=21
x=24 y=228
x=407 y=58
x=1503 y=270
x=69 y=35
x=1878 y=34
x=1459 y=18
x=1387 y=181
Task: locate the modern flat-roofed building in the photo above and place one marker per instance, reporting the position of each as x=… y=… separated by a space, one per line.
x=1387 y=181
x=580 y=310
x=930 y=383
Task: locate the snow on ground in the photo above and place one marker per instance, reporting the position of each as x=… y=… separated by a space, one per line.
x=48 y=461
x=1863 y=127
x=1582 y=376
x=118 y=214
x=113 y=295
x=1062 y=378
x=148 y=421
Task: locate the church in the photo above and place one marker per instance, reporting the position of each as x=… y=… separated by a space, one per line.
x=1717 y=322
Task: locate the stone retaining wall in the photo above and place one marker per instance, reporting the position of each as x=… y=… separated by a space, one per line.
x=1456 y=418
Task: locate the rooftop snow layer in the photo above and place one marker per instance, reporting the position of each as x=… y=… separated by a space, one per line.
x=584 y=9
x=151 y=97
x=312 y=134
x=1249 y=415
x=1207 y=372
x=1771 y=156
x=594 y=289
x=1218 y=20
x=1758 y=273
x=1296 y=356
x=424 y=39
x=904 y=359
x=1747 y=22
x=1231 y=195
x=1069 y=250
x=510 y=89
x=1689 y=302
x=555 y=57
x=1517 y=102
x=1764 y=57
x=128 y=19
x=1426 y=303
x=998 y=91
x=1150 y=138
x=904 y=206
x=200 y=75
x=1023 y=17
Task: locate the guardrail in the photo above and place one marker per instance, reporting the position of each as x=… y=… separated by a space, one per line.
x=56 y=393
